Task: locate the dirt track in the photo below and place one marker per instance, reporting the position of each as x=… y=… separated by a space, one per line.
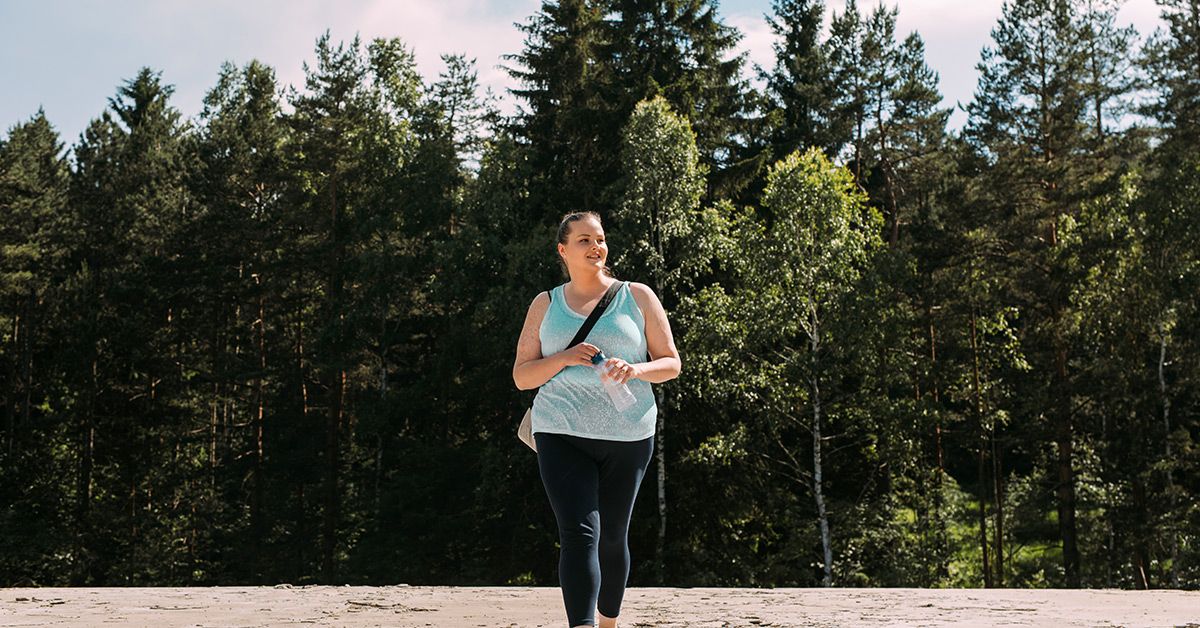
x=405 y=606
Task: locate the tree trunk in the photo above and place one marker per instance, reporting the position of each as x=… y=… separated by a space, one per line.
x=332 y=495
x=1066 y=474
x=998 y=497
x=336 y=386
x=889 y=182
x=943 y=565
x=14 y=380
x=661 y=543
x=858 y=141
x=893 y=205
x=1141 y=558
x=212 y=436
x=83 y=485
x=818 y=493
x=983 y=527
x=22 y=382
x=27 y=360
x=383 y=352
x=302 y=519
x=1111 y=557
x=1096 y=76
x=983 y=542
x=376 y=519
x=1166 y=413
x=257 y=521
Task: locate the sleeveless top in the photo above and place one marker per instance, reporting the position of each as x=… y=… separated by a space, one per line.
x=574 y=401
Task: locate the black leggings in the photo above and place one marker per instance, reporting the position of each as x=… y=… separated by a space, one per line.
x=591 y=484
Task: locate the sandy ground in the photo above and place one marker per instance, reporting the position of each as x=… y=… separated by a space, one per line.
x=404 y=606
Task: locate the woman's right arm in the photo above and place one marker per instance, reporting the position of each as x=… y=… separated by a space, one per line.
x=530 y=369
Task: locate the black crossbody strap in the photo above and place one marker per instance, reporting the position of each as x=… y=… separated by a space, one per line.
x=595 y=314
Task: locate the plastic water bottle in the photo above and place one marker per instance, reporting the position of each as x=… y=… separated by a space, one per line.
x=621 y=397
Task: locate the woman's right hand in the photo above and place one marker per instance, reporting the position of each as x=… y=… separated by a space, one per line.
x=579 y=355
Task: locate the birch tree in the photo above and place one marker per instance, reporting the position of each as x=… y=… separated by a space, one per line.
x=661 y=221
x=801 y=271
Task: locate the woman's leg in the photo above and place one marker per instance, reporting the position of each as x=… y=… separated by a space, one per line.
x=621 y=473
x=571 y=478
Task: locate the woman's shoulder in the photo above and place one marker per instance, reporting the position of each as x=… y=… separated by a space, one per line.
x=540 y=303
x=644 y=296
x=641 y=290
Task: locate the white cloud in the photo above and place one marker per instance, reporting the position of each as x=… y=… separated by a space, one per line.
x=757 y=41
x=954 y=33
x=73 y=58
x=479 y=29
x=70 y=58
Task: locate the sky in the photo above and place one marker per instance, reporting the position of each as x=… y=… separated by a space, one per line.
x=69 y=56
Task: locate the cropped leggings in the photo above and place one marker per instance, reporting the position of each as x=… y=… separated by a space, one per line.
x=591 y=484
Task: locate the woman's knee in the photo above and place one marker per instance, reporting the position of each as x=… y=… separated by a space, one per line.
x=613 y=543
x=578 y=534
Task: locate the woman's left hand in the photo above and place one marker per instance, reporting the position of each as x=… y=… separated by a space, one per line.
x=621 y=371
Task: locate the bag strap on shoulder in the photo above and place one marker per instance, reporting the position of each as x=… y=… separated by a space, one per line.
x=596 y=312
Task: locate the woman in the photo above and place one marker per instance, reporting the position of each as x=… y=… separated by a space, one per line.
x=591 y=456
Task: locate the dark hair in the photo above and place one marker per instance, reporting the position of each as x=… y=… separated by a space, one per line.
x=564 y=230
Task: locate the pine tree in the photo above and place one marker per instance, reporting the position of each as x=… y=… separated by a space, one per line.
x=156 y=156
x=1029 y=119
x=36 y=237
x=847 y=34
x=566 y=119
x=907 y=128
x=680 y=49
x=355 y=150
x=799 y=87
x=1171 y=58
x=241 y=250
x=456 y=95
x=1110 y=76
x=331 y=129
x=33 y=188
x=1027 y=116
x=587 y=64
x=129 y=196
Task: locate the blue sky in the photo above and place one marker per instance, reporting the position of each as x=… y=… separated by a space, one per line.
x=69 y=56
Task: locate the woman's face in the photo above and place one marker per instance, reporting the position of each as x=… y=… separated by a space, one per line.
x=586 y=246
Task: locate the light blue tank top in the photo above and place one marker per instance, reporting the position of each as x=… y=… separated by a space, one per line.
x=574 y=401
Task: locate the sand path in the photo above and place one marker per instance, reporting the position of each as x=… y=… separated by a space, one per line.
x=468 y=607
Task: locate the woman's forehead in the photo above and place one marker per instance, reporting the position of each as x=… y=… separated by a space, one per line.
x=586 y=226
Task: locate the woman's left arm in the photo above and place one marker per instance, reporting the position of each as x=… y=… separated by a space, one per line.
x=664 y=364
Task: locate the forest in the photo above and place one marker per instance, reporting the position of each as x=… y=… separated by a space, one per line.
x=274 y=342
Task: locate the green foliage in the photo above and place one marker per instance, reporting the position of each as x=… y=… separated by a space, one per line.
x=669 y=238
x=799 y=87
x=1168 y=58
x=588 y=63
x=274 y=344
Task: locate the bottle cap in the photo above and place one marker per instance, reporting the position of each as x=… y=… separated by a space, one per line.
x=599 y=358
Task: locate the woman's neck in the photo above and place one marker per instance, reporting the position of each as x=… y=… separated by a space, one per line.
x=590 y=283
